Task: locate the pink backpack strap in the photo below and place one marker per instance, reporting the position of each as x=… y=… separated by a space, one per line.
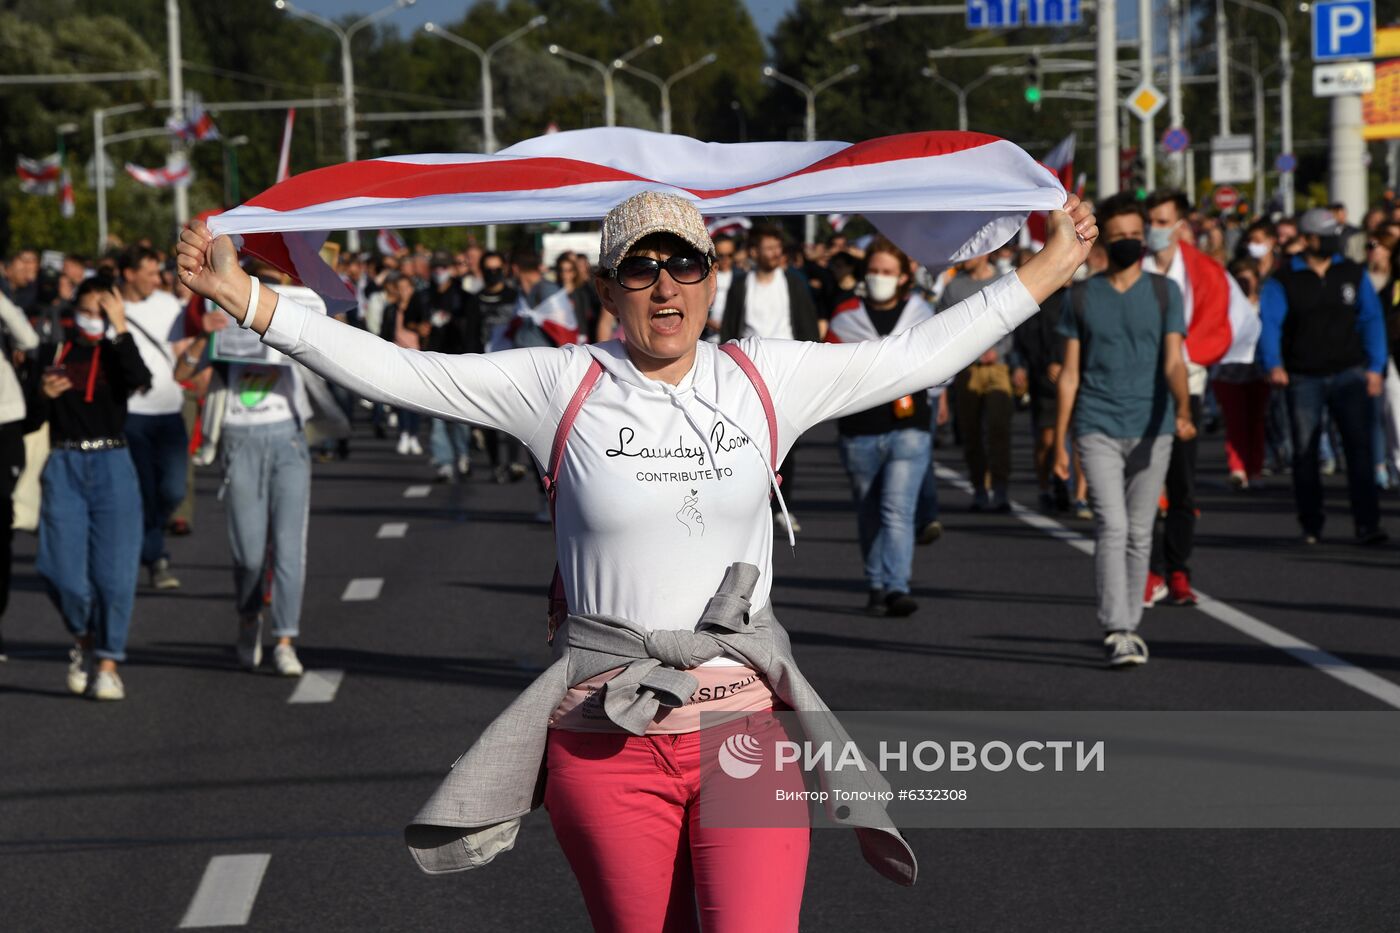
x=741 y=359
x=558 y=605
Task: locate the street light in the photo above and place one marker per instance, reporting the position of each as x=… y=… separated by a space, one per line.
x=607 y=71
x=1285 y=92
x=347 y=72
x=231 y=192
x=665 y=83
x=961 y=91
x=488 y=107
x=810 y=92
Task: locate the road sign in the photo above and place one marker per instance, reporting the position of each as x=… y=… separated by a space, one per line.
x=1344 y=78
x=1052 y=12
x=993 y=14
x=1343 y=29
x=1145 y=101
x=1225 y=198
x=1231 y=159
x=1176 y=140
x=1286 y=162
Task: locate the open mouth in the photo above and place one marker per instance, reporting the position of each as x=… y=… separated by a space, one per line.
x=666 y=314
x=667 y=322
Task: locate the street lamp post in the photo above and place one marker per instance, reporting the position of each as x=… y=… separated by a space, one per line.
x=231 y=192
x=810 y=92
x=665 y=83
x=347 y=72
x=488 y=107
x=607 y=71
x=960 y=91
x=1285 y=94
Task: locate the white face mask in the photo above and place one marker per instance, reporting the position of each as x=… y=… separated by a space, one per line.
x=1160 y=238
x=93 y=327
x=1258 y=250
x=881 y=288
x=443 y=276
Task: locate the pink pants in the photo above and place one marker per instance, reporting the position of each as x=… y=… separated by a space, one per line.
x=1245 y=408
x=624 y=809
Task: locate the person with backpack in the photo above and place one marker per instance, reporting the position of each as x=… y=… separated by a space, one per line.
x=1123 y=389
x=661 y=455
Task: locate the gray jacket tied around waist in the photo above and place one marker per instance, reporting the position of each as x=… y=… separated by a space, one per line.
x=475 y=813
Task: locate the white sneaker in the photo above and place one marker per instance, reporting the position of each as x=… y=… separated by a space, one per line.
x=284 y=658
x=414 y=448
x=78 y=667
x=108 y=686
x=250 y=643
x=446 y=473
x=402 y=449
x=464 y=465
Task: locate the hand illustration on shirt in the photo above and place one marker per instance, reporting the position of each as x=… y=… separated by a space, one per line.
x=690 y=516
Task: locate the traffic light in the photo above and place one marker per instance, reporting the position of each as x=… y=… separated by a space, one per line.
x=1137 y=178
x=1127 y=159
x=1033 y=82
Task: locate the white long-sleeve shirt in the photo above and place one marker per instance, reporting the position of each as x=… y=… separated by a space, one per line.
x=662 y=487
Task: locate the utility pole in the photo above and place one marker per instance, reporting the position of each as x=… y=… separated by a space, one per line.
x=1348 y=174
x=1222 y=67
x=1149 y=143
x=177 y=108
x=1176 y=159
x=607 y=71
x=1285 y=64
x=1106 y=39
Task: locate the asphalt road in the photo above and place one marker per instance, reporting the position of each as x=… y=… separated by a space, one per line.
x=110 y=814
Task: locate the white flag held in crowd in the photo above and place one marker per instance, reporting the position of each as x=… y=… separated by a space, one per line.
x=39 y=176
x=177 y=173
x=727 y=226
x=389 y=243
x=941 y=196
x=838 y=221
x=555 y=316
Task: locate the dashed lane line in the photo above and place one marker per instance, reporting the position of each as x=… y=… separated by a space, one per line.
x=417 y=492
x=1358 y=678
x=362 y=589
x=392 y=530
x=227 y=891
x=317 y=687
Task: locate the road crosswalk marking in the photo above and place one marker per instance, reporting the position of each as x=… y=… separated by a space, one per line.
x=227 y=891
x=362 y=589
x=392 y=530
x=316 y=687
x=1350 y=674
x=417 y=492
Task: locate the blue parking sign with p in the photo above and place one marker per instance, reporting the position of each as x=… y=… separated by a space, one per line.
x=993 y=14
x=1343 y=29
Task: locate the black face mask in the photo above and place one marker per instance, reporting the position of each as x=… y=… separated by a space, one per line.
x=493 y=276
x=1327 y=247
x=1124 y=253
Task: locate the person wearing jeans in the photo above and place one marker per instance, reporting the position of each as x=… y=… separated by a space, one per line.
x=1323 y=342
x=887 y=450
x=1122 y=371
x=90 y=520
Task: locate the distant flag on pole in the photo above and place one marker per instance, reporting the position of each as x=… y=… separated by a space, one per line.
x=284 y=158
x=1060 y=160
x=390 y=243
x=65 y=196
x=176 y=173
x=197 y=126
x=39 y=176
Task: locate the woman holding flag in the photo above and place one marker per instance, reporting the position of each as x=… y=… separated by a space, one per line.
x=660 y=453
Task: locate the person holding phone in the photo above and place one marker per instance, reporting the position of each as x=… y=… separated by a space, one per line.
x=90 y=523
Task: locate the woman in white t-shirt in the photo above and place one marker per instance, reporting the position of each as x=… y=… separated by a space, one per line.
x=661 y=498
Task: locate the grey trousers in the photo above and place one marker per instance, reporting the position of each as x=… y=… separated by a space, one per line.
x=1125 y=480
x=267 y=494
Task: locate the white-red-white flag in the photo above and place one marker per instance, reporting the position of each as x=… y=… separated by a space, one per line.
x=176 y=173
x=66 y=207
x=838 y=221
x=941 y=196
x=727 y=226
x=197 y=126
x=39 y=176
x=1059 y=160
x=555 y=316
x=284 y=156
x=389 y=243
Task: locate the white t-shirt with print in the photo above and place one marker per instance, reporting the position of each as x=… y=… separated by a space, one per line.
x=259 y=394
x=156 y=324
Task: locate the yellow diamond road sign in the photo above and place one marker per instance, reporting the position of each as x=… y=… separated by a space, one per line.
x=1145 y=101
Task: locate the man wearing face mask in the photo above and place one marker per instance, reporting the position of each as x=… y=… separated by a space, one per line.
x=1323 y=343
x=1123 y=389
x=984 y=399
x=1212 y=300
x=1260 y=242
x=497 y=301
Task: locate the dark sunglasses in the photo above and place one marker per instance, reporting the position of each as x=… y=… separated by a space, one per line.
x=635 y=273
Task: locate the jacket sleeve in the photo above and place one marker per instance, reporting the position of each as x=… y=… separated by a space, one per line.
x=131 y=371
x=1273 y=310
x=815 y=382
x=732 y=325
x=1371 y=323
x=804 y=307
x=509 y=391
x=18 y=325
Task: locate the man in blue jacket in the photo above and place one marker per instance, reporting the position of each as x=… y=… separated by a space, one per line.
x=1323 y=343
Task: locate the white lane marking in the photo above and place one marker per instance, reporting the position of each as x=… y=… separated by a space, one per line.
x=316 y=687
x=226 y=893
x=417 y=492
x=1350 y=674
x=392 y=530
x=362 y=588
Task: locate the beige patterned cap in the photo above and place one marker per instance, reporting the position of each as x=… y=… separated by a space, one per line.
x=647 y=213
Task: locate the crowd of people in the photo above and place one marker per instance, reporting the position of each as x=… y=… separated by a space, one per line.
x=1283 y=330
